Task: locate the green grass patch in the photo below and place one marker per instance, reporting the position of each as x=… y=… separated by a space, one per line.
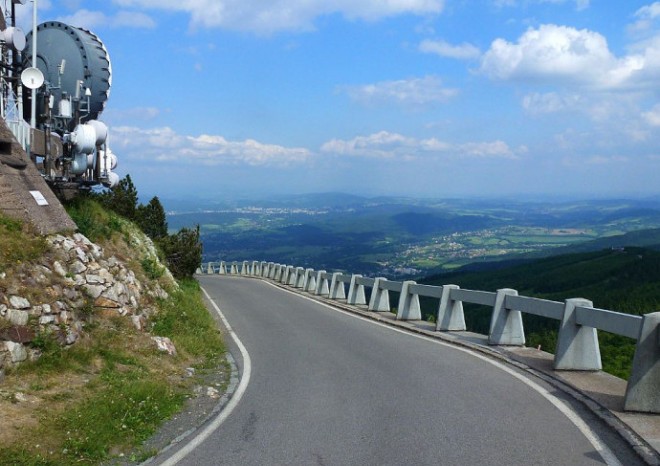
x=125 y=387
x=18 y=243
x=93 y=221
x=185 y=320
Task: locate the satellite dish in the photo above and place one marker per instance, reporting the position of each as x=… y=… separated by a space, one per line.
x=14 y=38
x=32 y=78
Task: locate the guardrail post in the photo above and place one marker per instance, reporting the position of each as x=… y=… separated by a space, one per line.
x=299 y=279
x=356 y=292
x=245 y=268
x=223 y=268
x=450 y=312
x=285 y=275
x=409 y=308
x=577 y=345
x=309 y=276
x=380 y=298
x=337 y=290
x=271 y=270
x=278 y=272
x=198 y=271
x=209 y=268
x=322 y=287
x=310 y=286
x=233 y=269
x=643 y=391
x=506 y=325
x=255 y=268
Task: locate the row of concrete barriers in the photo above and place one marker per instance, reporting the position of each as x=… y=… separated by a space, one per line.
x=577 y=342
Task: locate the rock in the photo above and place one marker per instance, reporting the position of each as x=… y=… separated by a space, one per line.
x=68 y=244
x=94 y=279
x=190 y=371
x=45 y=320
x=46 y=308
x=115 y=293
x=139 y=323
x=17 y=334
x=165 y=345
x=70 y=293
x=106 y=276
x=3 y=310
x=77 y=267
x=102 y=301
x=212 y=392
x=36 y=311
x=17 y=351
x=71 y=337
x=93 y=291
x=19 y=303
x=17 y=317
x=59 y=269
x=80 y=254
x=64 y=317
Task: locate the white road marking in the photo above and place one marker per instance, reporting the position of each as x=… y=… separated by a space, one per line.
x=235 y=399
x=602 y=449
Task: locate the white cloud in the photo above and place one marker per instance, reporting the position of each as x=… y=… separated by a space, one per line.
x=444 y=49
x=96 y=20
x=549 y=102
x=579 y=4
x=164 y=144
x=278 y=15
x=566 y=56
x=414 y=91
x=135 y=113
x=652 y=117
x=393 y=145
x=646 y=16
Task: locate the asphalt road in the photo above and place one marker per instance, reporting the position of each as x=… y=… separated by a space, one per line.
x=327 y=388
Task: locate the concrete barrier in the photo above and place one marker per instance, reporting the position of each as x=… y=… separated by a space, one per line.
x=337 y=287
x=356 y=294
x=380 y=297
x=577 y=342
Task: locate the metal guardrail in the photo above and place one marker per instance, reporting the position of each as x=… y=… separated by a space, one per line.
x=577 y=342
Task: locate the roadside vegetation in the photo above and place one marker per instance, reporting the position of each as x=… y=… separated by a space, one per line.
x=620 y=279
x=102 y=397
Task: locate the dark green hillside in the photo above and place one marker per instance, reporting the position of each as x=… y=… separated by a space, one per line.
x=625 y=280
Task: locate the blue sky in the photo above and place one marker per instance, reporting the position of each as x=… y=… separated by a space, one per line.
x=436 y=98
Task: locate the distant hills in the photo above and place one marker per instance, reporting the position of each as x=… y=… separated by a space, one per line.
x=396 y=236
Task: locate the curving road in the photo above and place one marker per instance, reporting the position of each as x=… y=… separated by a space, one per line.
x=327 y=388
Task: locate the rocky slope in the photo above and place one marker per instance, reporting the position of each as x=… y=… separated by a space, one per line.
x=75 y=280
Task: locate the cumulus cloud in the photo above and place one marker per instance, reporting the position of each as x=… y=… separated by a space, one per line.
x=563 y=55
x=280 y=15
x=393 y=145
x=96 y=20
x=165 y=145
x=413 y=92
x=462 y=51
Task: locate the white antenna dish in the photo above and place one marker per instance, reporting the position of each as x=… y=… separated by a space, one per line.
x=32 y=78
x=14 y=38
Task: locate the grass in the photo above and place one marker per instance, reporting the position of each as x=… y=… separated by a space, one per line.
x=93 y=220
x=108 y=393
x=18 y=244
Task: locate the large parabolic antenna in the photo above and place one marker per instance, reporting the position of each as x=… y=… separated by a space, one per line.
x=75 y=64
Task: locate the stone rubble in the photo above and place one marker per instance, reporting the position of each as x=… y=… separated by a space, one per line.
x=75 y=281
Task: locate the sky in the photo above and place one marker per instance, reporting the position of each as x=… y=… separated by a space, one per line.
x=422 y=98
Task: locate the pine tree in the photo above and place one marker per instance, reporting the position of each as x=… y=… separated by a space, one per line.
x=151 y=219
